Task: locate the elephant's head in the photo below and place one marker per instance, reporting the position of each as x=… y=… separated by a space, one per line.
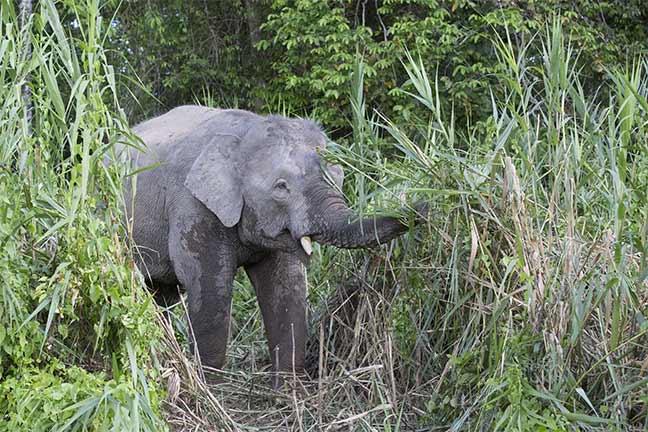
x=273 y=184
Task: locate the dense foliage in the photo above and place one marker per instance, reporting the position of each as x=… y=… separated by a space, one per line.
x=521 y=303
x=298 y=55
x=75 y=326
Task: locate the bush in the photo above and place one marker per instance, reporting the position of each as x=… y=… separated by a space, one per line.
x=523 y=305
x=77 y=330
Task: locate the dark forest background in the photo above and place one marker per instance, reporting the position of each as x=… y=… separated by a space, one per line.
x=298 y=56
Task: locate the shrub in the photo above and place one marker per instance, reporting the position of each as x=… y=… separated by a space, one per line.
x=77 y=331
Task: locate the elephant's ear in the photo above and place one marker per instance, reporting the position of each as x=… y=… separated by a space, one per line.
x=214 y=181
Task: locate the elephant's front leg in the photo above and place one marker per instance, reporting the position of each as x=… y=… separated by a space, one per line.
x=280 y=284
x=206 y=268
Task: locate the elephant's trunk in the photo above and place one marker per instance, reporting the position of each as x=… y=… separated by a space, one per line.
x=365 y=233
x=335 y=224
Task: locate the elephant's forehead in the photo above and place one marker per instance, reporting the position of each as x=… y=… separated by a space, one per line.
x=283 y=160
x=282 y=131
x=282 y=146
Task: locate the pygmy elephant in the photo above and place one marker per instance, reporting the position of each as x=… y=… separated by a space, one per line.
x=231 y=188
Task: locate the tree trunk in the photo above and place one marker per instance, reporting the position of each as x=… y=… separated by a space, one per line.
x=253 y=21
x=253 y=16
x=25 y=10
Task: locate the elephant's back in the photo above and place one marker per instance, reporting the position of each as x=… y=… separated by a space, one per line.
x=173 y=125
x=180 y=134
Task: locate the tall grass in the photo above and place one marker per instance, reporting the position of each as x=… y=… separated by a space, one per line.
x=519 y=306
x=75 y=329
x=524 y=306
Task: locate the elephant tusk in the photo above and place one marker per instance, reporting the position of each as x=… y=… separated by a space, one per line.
x=306 y=244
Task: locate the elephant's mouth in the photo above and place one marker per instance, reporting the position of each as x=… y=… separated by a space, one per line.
x=298 y=241
x=306 y=241
x=306 y=244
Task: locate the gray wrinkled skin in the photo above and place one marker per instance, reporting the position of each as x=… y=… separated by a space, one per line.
x=234 y=189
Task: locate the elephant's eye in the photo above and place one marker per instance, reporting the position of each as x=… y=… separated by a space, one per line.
x=280 y=189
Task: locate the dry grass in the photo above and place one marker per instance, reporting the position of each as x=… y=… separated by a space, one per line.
x=350 y=381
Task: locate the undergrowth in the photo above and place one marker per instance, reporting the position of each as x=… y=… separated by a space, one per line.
x=76 y=329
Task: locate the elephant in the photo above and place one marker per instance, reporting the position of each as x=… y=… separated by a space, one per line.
x=228 y=188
